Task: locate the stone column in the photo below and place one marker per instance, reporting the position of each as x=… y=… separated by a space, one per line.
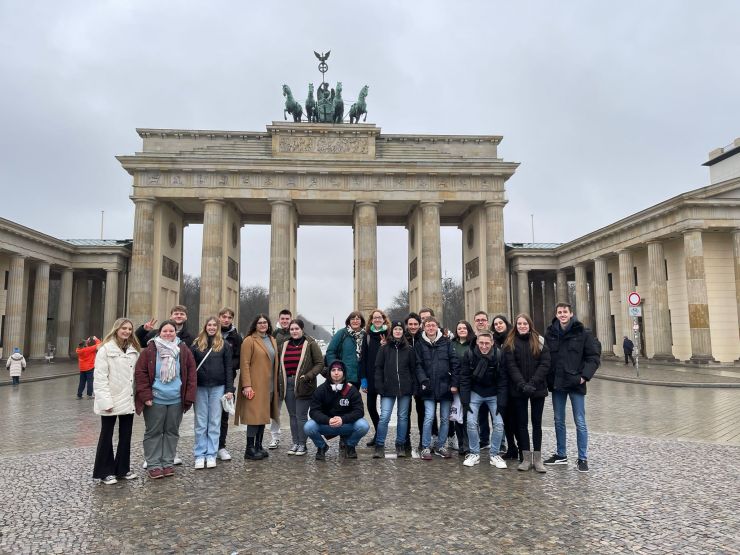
x=522 y=285
x=696 y=289
x=64 y=313
x=626 y=286
x=496 y=290
x=736 y=255
x=583 y=310
x=537 y=312
x=280 y=262
x=431 y=255
x=96 y=308
x=40 y=311
x=660 y=319
x=80 y=327
x=14 y=303
x=211 y=262
x=549 y=301
x=111 y=300
x=140 y=281
x=366 y=256
x=602 y=306
x=562 y=288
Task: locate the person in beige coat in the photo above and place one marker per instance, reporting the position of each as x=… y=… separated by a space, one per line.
x=261 y=388
x=114 y=399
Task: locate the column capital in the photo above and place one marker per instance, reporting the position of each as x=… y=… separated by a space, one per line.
x=213 y=201
x=437 y=203
x=654 y=242
x=366 y=202
x=581 y=264
x=600 y=257
x=500 y=203
x=143 y=200
x=17 y=256
x=692 y=230
x=625 y=251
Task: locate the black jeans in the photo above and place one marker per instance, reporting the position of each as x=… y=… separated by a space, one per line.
x=105 y=463
x=372 y=408
x=484 y=428
x=86 y=376
x=510 y=425
x=521 y=405
x=224 y=430
x=626 y=355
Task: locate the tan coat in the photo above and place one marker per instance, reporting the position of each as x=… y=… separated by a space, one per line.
x=256 y=372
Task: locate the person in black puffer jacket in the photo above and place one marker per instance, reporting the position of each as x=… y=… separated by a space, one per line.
x=376 y=334
x=215 y=377
x=501 y=329
x=231 y=335
x=394 y=369
x=528 y=362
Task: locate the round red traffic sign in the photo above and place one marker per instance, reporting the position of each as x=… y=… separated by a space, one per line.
x=634 y=298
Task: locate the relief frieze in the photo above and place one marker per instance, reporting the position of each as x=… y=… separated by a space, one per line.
x=323 y=145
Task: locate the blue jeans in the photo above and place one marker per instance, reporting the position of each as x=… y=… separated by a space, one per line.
x=207 y=420
x=444 y=422
x=498 y=423
x=350 y=433
x=578 y=404
x=386 y=408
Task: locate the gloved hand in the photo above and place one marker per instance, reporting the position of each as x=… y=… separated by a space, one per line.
x=425 y=385
x=528 y=389
x=363 y=383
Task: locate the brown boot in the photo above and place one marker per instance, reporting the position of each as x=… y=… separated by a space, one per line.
x=538 y=466
x=526 y=463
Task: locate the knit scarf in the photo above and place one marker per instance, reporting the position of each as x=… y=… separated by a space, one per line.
x=358 y=336
x=168 y=352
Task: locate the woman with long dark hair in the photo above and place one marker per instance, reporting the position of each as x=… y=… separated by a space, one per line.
x=501 y=328
x=528 y=362
x=260 y=385
x=464 y=341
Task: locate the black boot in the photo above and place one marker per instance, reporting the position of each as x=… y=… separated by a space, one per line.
x=250 y=452
x=400 y=450
x=263 y=454
x=371 y=443
x=379 y=452
x=351 y=453
x=321 y=453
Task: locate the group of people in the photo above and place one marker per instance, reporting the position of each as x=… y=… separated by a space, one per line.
x=477 y=385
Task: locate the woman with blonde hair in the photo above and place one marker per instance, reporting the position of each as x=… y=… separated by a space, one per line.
x=528 y=362
x=114 y=399
x=215 y=378
x=376 y=335
x=260 y=385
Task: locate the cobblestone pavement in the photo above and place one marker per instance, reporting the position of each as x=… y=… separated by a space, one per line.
x=664 y=479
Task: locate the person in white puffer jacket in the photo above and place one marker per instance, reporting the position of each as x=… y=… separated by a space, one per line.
x=16 y=364
x=114 y=398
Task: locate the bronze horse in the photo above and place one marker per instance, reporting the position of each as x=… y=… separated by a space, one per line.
x=359 y=107
x=291 y=106
x=312 y=115
x=338 y=104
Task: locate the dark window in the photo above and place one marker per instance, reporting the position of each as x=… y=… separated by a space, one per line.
x=670 y=326
x=7 y=278
x=665 y=264
x=613 y=325
x=634 y=274
x=611 y=283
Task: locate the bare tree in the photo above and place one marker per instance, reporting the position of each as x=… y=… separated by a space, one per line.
x=453 y=302
x=190 y=295
x=399 y=308
x=253 y=300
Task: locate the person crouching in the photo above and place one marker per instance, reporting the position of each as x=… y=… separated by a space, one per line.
x=336 y=410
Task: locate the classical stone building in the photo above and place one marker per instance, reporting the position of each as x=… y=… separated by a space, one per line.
x=56 y=291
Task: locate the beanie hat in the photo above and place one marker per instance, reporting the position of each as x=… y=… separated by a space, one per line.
x=337 y=364
x=397 y=324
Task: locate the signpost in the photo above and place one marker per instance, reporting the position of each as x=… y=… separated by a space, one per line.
x=635 y=310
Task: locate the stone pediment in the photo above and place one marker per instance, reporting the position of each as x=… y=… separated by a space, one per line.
x=726 y=190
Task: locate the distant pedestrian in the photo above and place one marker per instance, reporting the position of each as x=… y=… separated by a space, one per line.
x=260 y=385
x=376 y=335
x=301 y=362
x=165 y=389
x=230 y=335
x=215 y=380
x=628 y=347
x=86 y=351
x=528 y=363
x=395 y=366
x=114 y=399
x=336 y=410
x=16 y=364
x=575 y=355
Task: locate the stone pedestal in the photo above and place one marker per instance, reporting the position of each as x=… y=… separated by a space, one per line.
x=660 y=320
x=562 y=287
x=497 y=301
x=140 y=284
x=366 y=256
x=602 y=305
x=583 y=309
x=431 y=253
x=64 y=313
x=40 y=311
x=211 y=264
x=111 y=300
x=14 y=303
x=696 y=290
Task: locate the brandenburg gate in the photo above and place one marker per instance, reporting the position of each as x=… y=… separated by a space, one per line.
x=314 y=174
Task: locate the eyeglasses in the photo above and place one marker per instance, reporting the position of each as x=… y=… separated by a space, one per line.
x=481 y=320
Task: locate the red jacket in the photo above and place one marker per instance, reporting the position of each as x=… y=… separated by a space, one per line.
x=146 y=368
x=86 y=356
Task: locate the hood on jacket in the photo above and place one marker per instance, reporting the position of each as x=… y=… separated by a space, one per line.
x=574 y=326
x=336 y=363
x=16 y=356
x=426 y=338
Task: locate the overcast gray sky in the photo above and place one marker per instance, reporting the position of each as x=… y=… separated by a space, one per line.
x=609 y=107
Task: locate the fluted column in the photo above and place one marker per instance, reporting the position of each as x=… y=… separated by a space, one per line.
x=40 y=311
x=80 y=299
x=602 y=306
x=660 y=319
x=496 y=291
x=64 y=313
x=111 y=300
x=736 y=255
x=522 y=285
x=366 y=256
x=431 y=255
x=696 y=289
x=141 y=275
x=14 y=302
x=96 y=307
x=211 y=262
x=562 y=287
x=537 y=304
x=583 y=309
x=550 y=301
x=626 y=286
x=280 y=263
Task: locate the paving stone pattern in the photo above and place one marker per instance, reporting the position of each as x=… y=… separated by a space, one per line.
x=647 y=492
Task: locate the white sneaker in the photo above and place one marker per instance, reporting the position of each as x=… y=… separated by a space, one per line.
x=177 y=460
x=200 y=462
x=211 y=462
x=143 y=465
x=109 y=480
x=273 y=443
x=498 y=462
x=293 y=450
x=223 y=454
x=471 y=459
x=130 y=476
x=452 y=443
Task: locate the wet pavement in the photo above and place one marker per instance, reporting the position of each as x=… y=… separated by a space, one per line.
x=664 y=479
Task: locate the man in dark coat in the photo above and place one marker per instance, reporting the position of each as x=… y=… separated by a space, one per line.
x=281 y=335
x=628 y=347
x=231 y=335
x=336 y=410
x=575 y=354
x=179 y=314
